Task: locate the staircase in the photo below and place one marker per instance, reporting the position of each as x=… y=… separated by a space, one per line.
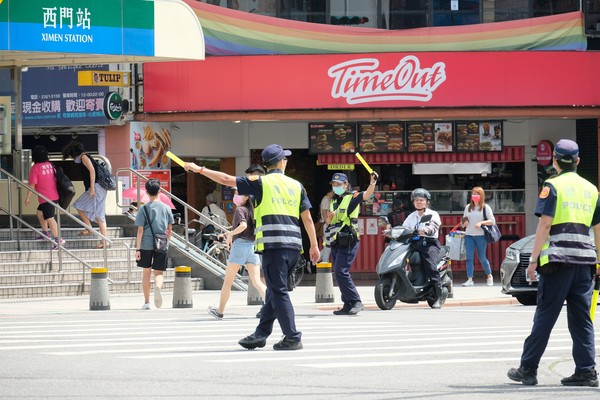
x=29 y=268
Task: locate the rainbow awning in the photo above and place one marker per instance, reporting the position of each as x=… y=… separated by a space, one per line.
x=231 y=32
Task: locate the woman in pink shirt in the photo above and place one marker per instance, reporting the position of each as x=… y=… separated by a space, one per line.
x=41 y=178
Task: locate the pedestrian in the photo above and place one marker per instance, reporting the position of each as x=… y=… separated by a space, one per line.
x=42 y=179
x=281 y=203
x=241 y=242
x=428 y=246
x=472 y=220
x=324 y=209
x=343 y=238
x=564 y=257
x=91 y=205
x=212 y=214
x=255 y=169
x=159 y=215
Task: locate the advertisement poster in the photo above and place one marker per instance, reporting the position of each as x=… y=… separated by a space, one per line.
x=420 y=137
x=164 y=176
x=148 y=145
x=479 y=136
x=443 y=136
x=381 y=137
x=331 y=138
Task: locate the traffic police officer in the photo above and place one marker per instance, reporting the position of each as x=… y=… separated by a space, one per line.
x=342 y=236
x=280 y=204
x=564 y=257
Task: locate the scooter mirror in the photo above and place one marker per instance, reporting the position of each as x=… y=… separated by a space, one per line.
x=426 y=218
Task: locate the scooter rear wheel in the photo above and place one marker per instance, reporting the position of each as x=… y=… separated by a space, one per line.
x=382 y=291
x=430 y=301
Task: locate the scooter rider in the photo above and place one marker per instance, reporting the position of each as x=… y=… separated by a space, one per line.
x=428 y=246
x=342 y=236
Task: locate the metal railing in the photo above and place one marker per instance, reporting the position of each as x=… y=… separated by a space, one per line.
x=18 y=216
x=181 y=242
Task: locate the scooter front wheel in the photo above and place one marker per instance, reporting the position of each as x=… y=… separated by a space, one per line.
x=430 y=301
x=382 y=294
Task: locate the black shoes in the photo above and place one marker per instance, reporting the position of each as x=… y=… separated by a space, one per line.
x=287 y=344
x=588 y=378
x=252 y=342
x=350 y=309
x=527 y=376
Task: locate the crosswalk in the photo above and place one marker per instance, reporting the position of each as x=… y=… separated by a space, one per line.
x=327 y=340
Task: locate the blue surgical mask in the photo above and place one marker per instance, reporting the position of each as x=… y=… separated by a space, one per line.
x=339 y=190
x=77 y=160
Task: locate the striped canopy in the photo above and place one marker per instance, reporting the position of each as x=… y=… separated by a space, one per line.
x=231 y=32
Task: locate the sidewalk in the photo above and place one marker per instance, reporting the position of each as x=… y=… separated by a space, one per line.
x=302 y=297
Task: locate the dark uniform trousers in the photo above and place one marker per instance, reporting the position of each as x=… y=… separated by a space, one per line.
x=277 y=264
x=429 y=255
x=573 y=284
x=342 y=261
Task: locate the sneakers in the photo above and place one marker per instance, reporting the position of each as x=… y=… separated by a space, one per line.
x=252 y=342
x=43 y=236
x=146 y=306
x=287 y=344
x=527 y=376
x=588 y=378
x=489 y=281
x=344 y=310
x=213 y=311
x=62 y=243
x=157 y=297
x=356 y=308
x=469 y=282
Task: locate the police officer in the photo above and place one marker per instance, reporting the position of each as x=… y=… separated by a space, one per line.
x=280 y=204
x=564 y=257
x=342 y=236
x=428 y=246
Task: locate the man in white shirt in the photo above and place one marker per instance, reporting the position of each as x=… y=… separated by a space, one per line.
x=324 y=207
x=213 y=215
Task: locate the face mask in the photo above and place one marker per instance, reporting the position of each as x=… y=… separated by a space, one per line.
x=77 y=160
x=476 y=198
x=339 y=190
x=238 y=200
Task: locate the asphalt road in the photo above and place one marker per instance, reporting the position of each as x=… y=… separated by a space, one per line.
x=412 y=352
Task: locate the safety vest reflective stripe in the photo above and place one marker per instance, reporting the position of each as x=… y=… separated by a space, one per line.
x=568 y=241
x=341 y=219
x=278 y=214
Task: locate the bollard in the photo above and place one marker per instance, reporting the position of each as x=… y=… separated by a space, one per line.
x=99 y=290
x=182 y=291
x=254 y=297
x=324 y=287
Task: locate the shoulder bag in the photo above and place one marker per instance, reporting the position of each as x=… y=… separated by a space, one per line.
x=160 y=240
x=491 y=232
x=64 y=186
x=103 y=176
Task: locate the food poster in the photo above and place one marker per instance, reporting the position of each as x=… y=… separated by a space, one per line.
x=420 y=137
x=479 y=136
x=149 y=143
x=379 y=137
x=443 y=136
x=164 y=176
x=331 y=138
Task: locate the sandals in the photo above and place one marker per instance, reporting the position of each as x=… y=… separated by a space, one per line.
x=84 y=232
x=102 y=246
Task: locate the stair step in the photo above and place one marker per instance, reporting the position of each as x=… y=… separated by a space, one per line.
x=68 y=265
x=71 y=244
x=50 y=278
x=66 y=233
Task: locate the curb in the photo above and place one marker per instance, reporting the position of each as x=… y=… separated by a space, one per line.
x=452 y=303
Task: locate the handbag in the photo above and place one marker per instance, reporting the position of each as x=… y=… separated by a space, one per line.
x=103 y=176
x=160 y=240
x=491 y=232
x=64 y=186
x=455 y=240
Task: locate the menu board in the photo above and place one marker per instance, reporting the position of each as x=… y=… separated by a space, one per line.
x=420 y=137
x=328 y=137
x=479 y=136
x=381 y=137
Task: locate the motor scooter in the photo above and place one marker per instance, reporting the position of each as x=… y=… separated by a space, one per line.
x=402 y=275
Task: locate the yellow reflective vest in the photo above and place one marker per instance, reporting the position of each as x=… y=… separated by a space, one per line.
x=278 y=214
x=341 y=219
x=569 y=241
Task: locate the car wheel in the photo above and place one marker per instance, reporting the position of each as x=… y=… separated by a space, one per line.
x=529 y=299
x=382 y=291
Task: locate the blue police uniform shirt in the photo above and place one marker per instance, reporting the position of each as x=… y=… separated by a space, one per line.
x=547 y=205
x=252 y=186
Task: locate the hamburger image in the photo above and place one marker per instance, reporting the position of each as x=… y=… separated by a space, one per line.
x=347 y=147
x=473 y=127
x=416 y=147
x=394 y=146
x=415 y=128
x=415 y=137
x=368 y=146
x=394 y=130
x=321 y=142
x=340 y=134
x=380 y=137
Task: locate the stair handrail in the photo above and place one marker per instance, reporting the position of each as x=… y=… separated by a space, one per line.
x=61 y=248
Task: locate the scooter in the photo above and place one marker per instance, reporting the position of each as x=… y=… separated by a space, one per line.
x=402 y=275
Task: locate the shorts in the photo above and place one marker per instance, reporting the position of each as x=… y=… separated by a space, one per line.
x=242 y=252
x=47 y=209
x=150 y=258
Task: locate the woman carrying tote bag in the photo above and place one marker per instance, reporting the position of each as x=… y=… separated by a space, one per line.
x=474 y=237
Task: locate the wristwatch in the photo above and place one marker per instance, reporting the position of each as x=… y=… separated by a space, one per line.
x=533 y=260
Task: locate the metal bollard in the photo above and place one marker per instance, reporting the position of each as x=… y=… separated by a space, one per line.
x=182 y=291
x=324 y=287
x=99 y=299
x=254 y=297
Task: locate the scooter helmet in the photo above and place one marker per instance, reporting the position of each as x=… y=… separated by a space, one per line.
x=420 y=192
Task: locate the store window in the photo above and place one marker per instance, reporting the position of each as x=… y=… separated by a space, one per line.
x=456 y=12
